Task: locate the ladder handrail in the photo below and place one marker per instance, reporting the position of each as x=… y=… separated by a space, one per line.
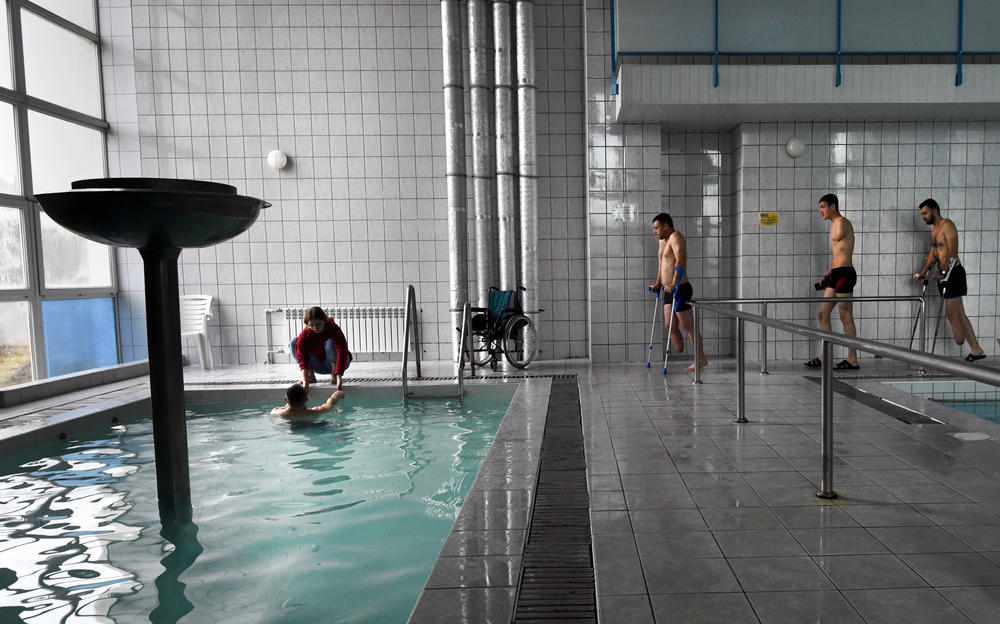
x=465 y=342
x=410 y=321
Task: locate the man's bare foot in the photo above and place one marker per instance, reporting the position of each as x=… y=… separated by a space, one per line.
x=690 y=368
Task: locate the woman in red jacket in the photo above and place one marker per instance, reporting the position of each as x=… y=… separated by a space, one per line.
x=321 y=348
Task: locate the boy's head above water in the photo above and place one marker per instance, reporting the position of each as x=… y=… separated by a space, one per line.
x=296 y=395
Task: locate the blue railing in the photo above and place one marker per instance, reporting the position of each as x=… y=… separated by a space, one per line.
x=715 y=53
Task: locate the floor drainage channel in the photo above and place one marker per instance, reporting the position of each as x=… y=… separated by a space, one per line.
x=557 y=573
x=364 y=380
x=903 y=414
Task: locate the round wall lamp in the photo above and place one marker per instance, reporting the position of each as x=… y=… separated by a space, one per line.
x=794 y=147
x=277 y=160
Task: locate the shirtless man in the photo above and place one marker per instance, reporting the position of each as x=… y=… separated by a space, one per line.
x=673 y=255
x=839 y=280
x=944 y=252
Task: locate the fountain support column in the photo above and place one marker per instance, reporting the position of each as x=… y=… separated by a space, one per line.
x=166 y=379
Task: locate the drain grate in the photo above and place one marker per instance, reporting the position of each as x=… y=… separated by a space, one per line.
x=363 y=380
x=557 y=573
x=900 y=413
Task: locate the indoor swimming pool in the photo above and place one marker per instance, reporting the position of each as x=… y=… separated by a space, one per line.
x=972 y=397
x=338 y=520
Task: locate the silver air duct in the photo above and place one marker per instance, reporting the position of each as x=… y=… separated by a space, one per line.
x=486 y=266
x=505 y=144
x=454 y=123
x=527 y=153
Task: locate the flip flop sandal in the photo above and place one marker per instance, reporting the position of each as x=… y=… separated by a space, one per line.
x=973 y=358
x=814 y=363
x=845 y=365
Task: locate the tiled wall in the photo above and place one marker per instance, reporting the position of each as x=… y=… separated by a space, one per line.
x=352 y=92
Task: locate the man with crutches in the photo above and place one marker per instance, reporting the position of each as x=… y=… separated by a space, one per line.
x=950 y=276
x=677 y=290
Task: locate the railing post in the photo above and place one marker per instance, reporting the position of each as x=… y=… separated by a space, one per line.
x=763 y=344
x=697 y=343
x=826 y=490
x=741 y=374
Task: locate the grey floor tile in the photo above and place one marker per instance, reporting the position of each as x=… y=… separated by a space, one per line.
x=926 y=493
x=618 y=576
x=978 y=536
x=839 y=541
x=473 y=543
x=726 y=497
x=790 y=496
x=863 y=494
x=660 y=520
x=758 y=543
x=947 y=514
x=699 y=480
x=605 y=482
x=979 y=604
x=900 y=477
x=610 y=522
x=733 y=518
x=645 y=466
x=806 y=607
x=464 y=606
x=625 y=609
x=930 y=539
x=688 y=576
x=786 y=478
x=954 y=569
x=886 y=515
x=677 y=544
x=651 y=481
x=471 y=572
x=813 y=517
x=779 y=574
x=673 y=498
x=868 y=572
x=731 y=608
x=607 y=501
x=913 y=606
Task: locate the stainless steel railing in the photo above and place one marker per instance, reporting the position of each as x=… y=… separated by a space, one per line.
x=917 y=358
x=411 y=321
x=763 y=302
x=465 y=347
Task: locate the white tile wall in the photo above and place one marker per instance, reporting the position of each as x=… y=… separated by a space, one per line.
x=351 y=91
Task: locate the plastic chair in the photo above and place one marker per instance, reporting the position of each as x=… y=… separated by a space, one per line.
x=195 y=312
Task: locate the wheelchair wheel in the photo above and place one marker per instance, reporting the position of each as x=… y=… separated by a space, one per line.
x=518 y=333
x=481 y=352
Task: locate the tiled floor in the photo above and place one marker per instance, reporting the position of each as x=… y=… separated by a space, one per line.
x=698 y=519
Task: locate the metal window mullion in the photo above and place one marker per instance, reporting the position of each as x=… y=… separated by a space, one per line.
x=59 y=20
x=33 y=254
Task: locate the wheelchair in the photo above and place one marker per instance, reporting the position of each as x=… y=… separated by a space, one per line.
x=503 y=329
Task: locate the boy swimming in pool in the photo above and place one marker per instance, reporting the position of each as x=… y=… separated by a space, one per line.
x=296 y=406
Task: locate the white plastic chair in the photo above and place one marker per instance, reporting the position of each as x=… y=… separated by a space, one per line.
x=195 y=312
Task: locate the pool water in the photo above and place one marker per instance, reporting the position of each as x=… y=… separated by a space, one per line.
x=987 y=410
x=335 y=521
x=971 y=397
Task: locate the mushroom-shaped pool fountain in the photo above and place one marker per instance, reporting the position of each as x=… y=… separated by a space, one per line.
x=159 y=217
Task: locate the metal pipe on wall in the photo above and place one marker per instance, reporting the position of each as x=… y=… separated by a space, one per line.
x=454 y=121
x=527 y=152
x=486 y=264
x=504 y=96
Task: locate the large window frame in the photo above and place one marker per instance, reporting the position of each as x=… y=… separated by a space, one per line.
x=36 y=291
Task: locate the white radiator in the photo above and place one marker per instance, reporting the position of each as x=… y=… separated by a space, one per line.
x=368 y=329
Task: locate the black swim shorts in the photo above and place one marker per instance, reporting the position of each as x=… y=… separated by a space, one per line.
x=843 y=279
x=684 y=294
x=956 y=285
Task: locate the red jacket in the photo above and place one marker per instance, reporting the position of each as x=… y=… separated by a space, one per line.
x=311 y=342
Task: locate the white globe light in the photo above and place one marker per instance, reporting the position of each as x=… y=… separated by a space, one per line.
x=277 y=160
x=795 y=147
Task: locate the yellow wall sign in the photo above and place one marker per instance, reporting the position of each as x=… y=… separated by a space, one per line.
x=769 y=218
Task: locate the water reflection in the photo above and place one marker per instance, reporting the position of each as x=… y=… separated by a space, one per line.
x=58 y=517
x=173 y=604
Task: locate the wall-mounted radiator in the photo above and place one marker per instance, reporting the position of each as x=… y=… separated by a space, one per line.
x=368 y=329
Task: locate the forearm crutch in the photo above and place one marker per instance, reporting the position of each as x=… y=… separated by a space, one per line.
x=916 y=321
x=652 y=331
x=944 y=291
x=673 y=313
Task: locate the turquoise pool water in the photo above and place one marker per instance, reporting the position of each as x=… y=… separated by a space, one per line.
x=987 y=410
x=971 y=397
x=338 y=521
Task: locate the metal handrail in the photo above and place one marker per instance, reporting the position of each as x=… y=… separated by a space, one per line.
x=465 y=346
x=919 y=358
x=410 y=321
x=764 y=301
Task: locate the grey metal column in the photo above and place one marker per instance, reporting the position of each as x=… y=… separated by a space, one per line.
x=741 y=374
x=166 y=387
x=826 y=490
x=527 y=153
x=479 y=93
x=454 y=121
x=763 y=344
x=504 y=95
